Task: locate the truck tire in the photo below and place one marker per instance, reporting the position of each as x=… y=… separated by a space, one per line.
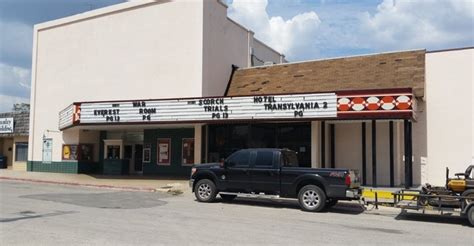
x=312 y=198
x=227 y=198
x=470 y=215
x=205 y=190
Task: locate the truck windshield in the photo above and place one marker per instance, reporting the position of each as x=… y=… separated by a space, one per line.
x=289 y=159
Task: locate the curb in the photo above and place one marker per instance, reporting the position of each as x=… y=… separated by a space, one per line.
x=124 y=188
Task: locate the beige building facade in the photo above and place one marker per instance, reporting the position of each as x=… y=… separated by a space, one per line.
x=137 y=88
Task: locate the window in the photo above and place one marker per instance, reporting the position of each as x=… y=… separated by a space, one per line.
x=113 y=152
x=147 y=153
x=240 y=159
x=76 y=152
x=21 y=151
x=264 y=159
x=289 y=158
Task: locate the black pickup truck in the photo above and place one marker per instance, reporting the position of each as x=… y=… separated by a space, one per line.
x=273 y=173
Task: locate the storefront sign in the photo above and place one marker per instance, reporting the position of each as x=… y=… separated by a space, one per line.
x=377 y=104
x=6 y=125
x=321 y=105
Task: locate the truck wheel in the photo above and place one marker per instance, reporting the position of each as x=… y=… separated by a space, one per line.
x=227 y=198
x=205 y=190
x=311 y=198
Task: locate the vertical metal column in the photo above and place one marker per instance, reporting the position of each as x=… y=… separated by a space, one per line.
x=204 y=143
x=332 y=139
x=323 y=144
x=408 y=153
x=364 y=154
x=374 y=153
x=392 y=164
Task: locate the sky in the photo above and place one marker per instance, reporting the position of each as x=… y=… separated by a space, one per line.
x=300 y=29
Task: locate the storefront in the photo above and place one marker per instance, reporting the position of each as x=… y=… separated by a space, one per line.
x=172 y=128
x=175 y=89
x=14 y=140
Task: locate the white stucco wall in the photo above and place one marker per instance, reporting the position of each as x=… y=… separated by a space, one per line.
x=226 y=43
x=134 y=50
x=266 y=53
x=131 y=53
x=450 y=110
x=348 y=149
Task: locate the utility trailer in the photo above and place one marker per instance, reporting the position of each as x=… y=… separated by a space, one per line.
x=414 y=201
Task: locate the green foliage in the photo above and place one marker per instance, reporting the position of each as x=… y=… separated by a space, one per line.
x=21 y=107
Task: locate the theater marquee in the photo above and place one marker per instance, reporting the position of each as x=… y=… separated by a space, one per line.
x=264 y=107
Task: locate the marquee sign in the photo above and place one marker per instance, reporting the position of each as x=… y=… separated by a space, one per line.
x=264 y=107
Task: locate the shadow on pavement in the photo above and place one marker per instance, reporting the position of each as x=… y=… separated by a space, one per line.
x=445 y=219
x=26 y=215
x=341 y=207
x=138 y=177
x=107 y=200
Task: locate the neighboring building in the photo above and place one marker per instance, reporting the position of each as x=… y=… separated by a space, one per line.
x=152 y=88
x=14 y=139
x=443 y=124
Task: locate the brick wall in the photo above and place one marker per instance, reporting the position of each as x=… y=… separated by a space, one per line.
x=389 y=70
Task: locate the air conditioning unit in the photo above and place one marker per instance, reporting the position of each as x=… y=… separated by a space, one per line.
x=268 y=63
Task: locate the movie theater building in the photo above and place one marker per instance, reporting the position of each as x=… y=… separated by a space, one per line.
x=112 y=96
x=134 y=50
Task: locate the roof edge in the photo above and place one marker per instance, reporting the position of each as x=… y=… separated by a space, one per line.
x=96 y=13
x=451 y=49
x=333 y=58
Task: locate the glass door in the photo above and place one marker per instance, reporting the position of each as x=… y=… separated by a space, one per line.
x=138 y=158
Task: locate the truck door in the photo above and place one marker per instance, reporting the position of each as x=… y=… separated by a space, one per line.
x=237 y=174
x=265 y=172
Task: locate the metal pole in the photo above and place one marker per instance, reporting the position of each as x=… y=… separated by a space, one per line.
x=392 y=164
x=374 y=153
x=408 y=153
x=364 y=154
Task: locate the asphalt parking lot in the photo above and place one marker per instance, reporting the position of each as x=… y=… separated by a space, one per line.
x=45 y=214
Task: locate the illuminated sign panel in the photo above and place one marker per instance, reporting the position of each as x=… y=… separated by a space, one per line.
x=369 y=104
x=206 y=109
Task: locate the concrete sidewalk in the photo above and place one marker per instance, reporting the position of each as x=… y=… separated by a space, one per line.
x=129 y=182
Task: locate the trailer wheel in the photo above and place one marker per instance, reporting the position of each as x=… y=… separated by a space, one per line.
x=470 y=215
x=470 y=194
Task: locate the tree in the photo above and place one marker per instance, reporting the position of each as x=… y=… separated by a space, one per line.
x=21 y=107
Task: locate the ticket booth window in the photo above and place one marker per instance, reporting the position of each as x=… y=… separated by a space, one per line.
x=113 y=149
